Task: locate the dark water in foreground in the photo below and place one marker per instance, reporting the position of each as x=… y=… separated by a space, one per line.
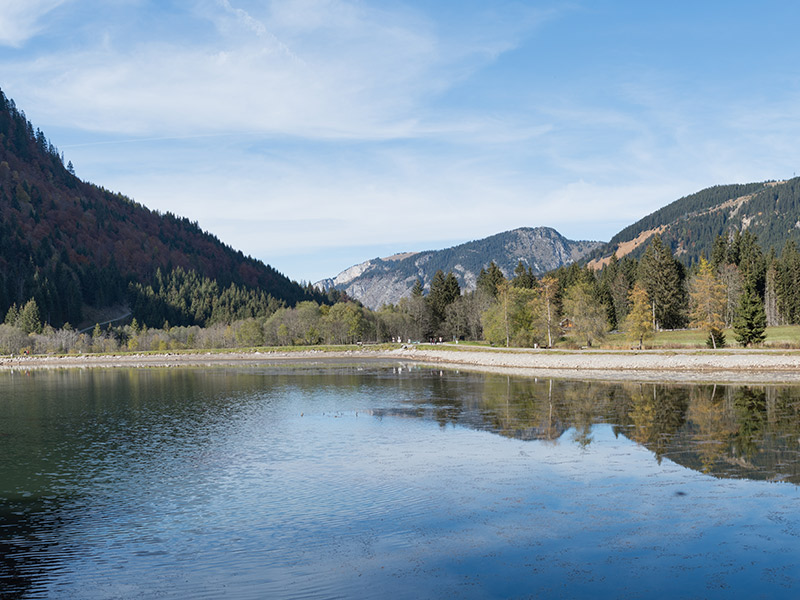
x=381 y=482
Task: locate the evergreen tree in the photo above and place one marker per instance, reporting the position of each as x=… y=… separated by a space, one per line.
x=733 y=285
x=751 y=321
x=30 y=321
x=787 y=283
x=661 y=276
x=444 y=291
x=490 y=280
x=523 y=278
x=12 y=316
x=752 y=263
x=719 y=251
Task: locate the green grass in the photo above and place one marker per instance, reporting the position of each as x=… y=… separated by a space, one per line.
x=787 y=336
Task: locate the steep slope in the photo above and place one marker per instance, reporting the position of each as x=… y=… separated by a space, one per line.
x=770 y=210
x=385 y=280
x=68 y=243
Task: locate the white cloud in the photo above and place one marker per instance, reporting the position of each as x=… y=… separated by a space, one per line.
x=351 y=79
x=321 y=69
x=20 y=19
x=377 y=122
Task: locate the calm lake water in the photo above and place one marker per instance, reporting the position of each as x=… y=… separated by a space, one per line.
x=380 y=481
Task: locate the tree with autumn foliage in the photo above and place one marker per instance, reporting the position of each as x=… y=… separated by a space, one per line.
x=639 y=321
x=544 y=306
x=708 y=301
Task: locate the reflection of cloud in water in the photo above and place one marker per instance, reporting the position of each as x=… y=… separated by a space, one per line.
x=344 y=482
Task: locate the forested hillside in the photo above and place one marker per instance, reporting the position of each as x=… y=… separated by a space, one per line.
x=70 y=244
x=690 y=225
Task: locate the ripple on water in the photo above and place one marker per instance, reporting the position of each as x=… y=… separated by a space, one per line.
x=327 y=483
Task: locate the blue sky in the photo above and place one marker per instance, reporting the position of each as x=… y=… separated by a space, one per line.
x=315 y=134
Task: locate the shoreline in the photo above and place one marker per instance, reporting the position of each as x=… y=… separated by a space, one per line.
x=734 y=366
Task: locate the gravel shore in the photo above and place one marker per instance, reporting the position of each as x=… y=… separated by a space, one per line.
x=757 y=366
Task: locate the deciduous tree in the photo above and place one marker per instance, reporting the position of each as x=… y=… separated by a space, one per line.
x=544 y=306
x=707 y=302
x=639 y=322
x=588 y=315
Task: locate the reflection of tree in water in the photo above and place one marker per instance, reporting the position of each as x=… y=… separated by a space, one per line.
x=583 y=401
x=727 y=431
x=711 y=425
x=523 y=408
x=750 y=407
x=656 y=413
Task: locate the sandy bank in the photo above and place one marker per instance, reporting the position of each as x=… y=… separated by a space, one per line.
x=762 y=366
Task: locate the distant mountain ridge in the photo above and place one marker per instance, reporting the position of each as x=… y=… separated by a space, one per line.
x=689 y=225
x=385 y=280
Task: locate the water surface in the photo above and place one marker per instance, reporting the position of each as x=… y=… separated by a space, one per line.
x=337 y=481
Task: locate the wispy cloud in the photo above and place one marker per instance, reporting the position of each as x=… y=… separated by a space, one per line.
x=403 y=122
x=311 y=69
x=21 y=19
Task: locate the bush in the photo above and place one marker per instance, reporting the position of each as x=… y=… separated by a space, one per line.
x=716 y=335
x=12 y=339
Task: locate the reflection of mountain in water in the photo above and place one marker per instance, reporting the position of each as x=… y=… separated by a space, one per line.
x=725 y=431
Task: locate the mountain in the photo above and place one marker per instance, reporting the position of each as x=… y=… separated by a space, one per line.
x=689 y=225
x=385 y=280
x=70 y=244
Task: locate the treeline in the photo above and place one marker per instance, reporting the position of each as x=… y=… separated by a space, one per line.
x=738 y=287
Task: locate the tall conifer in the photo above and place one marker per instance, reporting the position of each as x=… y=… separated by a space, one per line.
x=751 y=321
x=660 y=274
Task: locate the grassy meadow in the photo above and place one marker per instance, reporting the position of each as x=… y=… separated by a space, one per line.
x=786 y=336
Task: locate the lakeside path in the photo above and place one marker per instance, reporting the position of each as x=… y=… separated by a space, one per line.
x=753 y=366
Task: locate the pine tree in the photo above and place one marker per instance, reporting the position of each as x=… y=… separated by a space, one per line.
x=12 y=316
x=660 y=274
x=523 y=278
x=418 y=290
x=444 y=291
x=751 y=321
x=30 y=320
x=490 y=280
x=751 y=262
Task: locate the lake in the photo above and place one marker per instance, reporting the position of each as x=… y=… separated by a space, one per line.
x=335 y=480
